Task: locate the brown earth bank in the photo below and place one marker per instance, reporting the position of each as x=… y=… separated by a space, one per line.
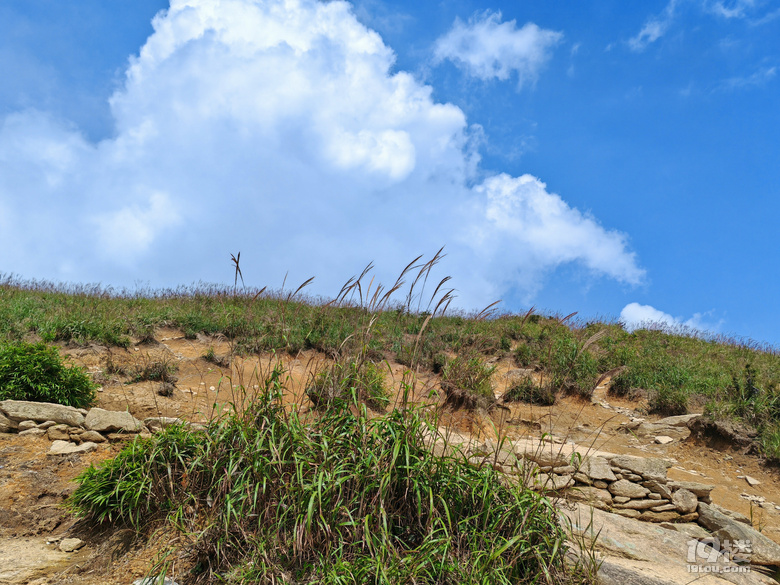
x=34 y=484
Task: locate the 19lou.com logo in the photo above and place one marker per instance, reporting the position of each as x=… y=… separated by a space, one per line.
x=711 y=555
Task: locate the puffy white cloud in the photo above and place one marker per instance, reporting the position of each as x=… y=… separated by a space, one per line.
x=280 y=129
x=635 y=316
x=487 y=48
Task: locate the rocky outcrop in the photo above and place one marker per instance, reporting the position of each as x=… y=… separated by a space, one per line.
x=764 y=551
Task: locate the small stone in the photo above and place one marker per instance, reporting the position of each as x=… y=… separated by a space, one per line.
x=685 y=501
x=59 y=433
x=602 y=485
x=664 y=508
x=654 y=496
x=582 y=478
x=692 y=517
x=26 y=425
x=564 y=470
x=663 y=440
x=638 y=504
x=752 y=481
x=658 y=488
x=621 y=499
x=33 y=432
x=47 y=424
x=632 y=477
x=93 y=436
x=71 y=544
x=628 y=513
x=628 y=489
x=67 y=448
x=658 y=516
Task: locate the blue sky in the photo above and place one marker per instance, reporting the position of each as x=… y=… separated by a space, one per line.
x=615 y=159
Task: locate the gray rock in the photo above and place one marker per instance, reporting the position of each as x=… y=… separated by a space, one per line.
x=158 y=423
x=677 y=421
x=639 y=504
x=602 y=485
x=732 y=514
x=67 y=448
x=632 y=477
x=46 y=425
x=582 y=478
x=71 y=544
x=625 y=488
x=546 y=482
x=689 y=528
x=649 y=468
x=641 y=553
x=19 y=410
x=563 y=470
x=664 y=508
x=597 y=468
x=654 y=496
x=658 y=488
x=621 y=499
x=663 y=440
x=107 y=420
x=627 y=512
x=685 y=501
x=26 y=425
x=765 y=551
x=752 y=481
x=159 y=580
x=33 y=432
x=658 y=517
x=700 y=489
x=593 y=496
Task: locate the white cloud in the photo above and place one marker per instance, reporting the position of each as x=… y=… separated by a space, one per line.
x=728 y=10
x=757 y=79
x=635 y=316
x=487 y=48
x=279 y=129
x=654 y=28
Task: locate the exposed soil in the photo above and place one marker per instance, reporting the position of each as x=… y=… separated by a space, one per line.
x=33 y=485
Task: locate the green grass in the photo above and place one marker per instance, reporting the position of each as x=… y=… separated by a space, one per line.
x=675 y=370
x=37 y=372
x=264 y=495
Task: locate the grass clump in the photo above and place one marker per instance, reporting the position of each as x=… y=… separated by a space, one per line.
x=37 y=372
x=467 y=381
x=365 y=379
x=343 y=497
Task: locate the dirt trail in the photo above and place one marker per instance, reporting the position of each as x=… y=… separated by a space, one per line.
x=33 y=485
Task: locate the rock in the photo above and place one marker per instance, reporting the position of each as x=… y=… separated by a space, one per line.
x=732 y=514
x=71 y=544
x=722 y=433
x=689 y=528
x=692 y=517
x=752 y=481
x=67 y=448
x=630 y=490
x=547 y=482
x=19 y=410
x=700 y=489
x=639 y=504
x=93 y=436
x=658 y=488
x=632 y=477
x=654 y=496
x=627 y=512
x=159 y=580
x=26 y=425
x=602 y=485
x=765 y=551
x=33 y=432
x=563 y=470
x=107 y=420
x=6 y=424
x=649 y=468
x=658 y=517
x=597 y=468
x=685 y=501
x=158 y=423
x=582 y=478
x=642 y=553
x=59 y=433
x=593 y=496
x=46 y=425
x=621 y=499
x=663 y=440
x=664 y=508
x=677 y=421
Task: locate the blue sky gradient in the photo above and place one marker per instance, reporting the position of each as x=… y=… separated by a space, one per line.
x=612 y=159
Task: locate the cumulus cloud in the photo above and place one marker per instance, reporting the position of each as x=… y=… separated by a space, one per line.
x=487 y=48
x=635 y=316
x=279 y=129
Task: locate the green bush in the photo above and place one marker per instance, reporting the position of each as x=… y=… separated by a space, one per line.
x=36 y=372
x=267 y=496
x=526 y=390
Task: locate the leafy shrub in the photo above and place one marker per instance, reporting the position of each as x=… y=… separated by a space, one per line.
x=36 y=372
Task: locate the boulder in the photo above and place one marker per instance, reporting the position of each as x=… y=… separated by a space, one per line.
x=93 y=436
x=67 y=448
x=19 y=410
x=623 y=487
x=685 y=501
x=649 y=467
x=158 y=423
x=71 y=544
x=108 y=420
x=59 y=433
x=732 y=514
x=643 y=553
x=765 y=551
